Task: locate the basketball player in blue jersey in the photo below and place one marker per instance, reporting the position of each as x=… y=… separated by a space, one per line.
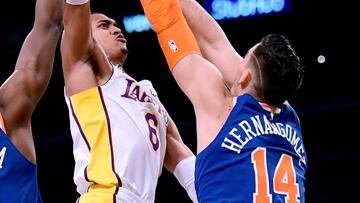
x=250 y=147
x=120 y=130
x=19 y=95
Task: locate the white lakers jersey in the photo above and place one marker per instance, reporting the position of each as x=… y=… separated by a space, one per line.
x=118 y=138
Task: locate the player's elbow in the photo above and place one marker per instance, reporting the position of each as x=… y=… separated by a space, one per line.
x=49 y=15
x=52 y=26
x=56 y=20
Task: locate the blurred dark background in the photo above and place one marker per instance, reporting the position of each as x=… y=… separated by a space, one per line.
x=328 y=102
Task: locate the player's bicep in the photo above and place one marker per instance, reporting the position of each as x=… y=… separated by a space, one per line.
x=35 y=63
x=76 y=47
x=200 y=81
x=223 y=56
x=16 y=98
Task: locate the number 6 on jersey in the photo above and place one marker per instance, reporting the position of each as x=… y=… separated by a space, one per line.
x=153 y=125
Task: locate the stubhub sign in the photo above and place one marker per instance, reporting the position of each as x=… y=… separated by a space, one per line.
x=226 y=9
x=220 y=10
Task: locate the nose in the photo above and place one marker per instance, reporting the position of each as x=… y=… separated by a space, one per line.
x=116 y=30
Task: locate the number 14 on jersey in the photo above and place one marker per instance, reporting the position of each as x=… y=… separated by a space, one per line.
x=284 y=178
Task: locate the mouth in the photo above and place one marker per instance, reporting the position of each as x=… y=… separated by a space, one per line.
x=121 y=38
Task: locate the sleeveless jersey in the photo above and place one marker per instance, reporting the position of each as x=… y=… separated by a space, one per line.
x=119 y=140
x=18 y=176
x=256 y=157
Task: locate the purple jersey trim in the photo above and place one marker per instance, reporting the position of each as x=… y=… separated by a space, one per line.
x=111 y=145
x=79 y=126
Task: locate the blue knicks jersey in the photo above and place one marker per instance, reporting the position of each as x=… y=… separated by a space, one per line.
x=18 y=179
x=257 y=157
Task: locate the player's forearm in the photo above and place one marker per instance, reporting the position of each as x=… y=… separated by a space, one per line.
x=35 y=60
x=185 y=174
x=180 y=161
x=77 y=19
x=206 y=30
x=213 y=43
x=77 y=35
x=176 y=150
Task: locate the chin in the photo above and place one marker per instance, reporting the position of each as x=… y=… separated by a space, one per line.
x=124 y=50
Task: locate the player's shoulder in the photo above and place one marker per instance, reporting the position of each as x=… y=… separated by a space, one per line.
x=147 y=84
x=289 y=109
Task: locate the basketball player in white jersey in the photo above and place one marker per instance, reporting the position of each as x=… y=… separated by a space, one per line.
x=118 y=125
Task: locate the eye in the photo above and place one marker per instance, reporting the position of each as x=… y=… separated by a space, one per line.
x=103 y=25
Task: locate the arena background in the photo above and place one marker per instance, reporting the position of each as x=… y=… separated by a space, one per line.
x=328 y=102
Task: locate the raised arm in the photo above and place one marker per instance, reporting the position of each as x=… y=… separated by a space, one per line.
x=76 y=47
x=20 y=93
x=198 y=78
x=192 y=72
x=213 y=43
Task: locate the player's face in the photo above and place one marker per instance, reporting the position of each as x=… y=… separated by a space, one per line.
x=108 y=35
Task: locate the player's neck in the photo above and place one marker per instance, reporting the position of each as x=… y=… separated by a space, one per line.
x=117 y=60
x=117 y=65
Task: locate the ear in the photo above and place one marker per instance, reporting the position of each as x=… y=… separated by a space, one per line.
x=245 y=79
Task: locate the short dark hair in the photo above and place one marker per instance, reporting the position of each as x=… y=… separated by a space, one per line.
x=280 y=68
